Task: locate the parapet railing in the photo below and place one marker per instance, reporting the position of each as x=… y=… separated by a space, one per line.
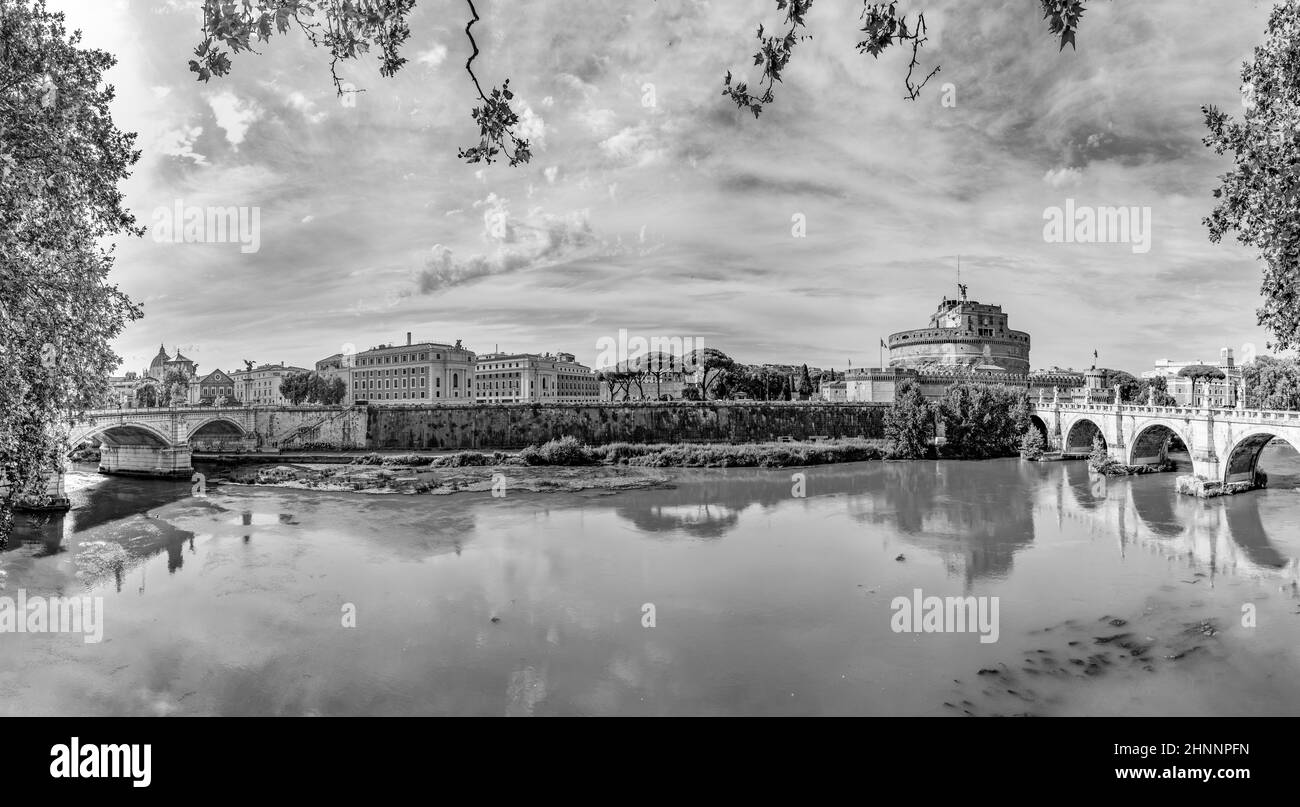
x=1180 y=411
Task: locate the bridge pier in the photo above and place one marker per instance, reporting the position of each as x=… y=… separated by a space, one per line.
x=1205 y=460
x=145 y=460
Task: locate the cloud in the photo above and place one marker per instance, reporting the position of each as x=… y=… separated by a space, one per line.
x=1063 y=177
x=634 y=145
x=532 y=128
x=600 y=121
x=518 y=244
x=233 y=115
x=432 y=57
x=180 y=143
x=304 y=105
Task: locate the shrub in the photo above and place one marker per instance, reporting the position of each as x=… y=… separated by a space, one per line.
x=909 y=424
x=564 y=451
x=405 y=459
x=1031 y=445
x=465 y=459
x=1098 y=455
x=983 y=420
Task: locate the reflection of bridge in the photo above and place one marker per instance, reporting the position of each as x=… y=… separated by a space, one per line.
x=157 y=442
x=1224 y=443
x=1227 y=535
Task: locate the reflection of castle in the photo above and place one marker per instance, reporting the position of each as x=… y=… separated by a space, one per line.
x=965 y=340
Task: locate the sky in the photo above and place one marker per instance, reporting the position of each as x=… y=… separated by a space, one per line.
x=653 y=205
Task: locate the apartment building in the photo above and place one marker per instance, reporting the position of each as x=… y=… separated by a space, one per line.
x=413 y=373
x=260 y=386
x=515 y=377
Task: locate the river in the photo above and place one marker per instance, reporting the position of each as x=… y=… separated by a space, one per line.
x=1116 y=596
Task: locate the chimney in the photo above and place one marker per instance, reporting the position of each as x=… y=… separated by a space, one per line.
x=408 y=338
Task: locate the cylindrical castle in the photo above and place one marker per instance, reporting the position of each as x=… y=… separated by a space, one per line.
x=963 y=333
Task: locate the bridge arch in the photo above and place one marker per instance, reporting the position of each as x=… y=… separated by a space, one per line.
x=1151 y=440
x=1037 y=423
x=1243 y=456
x=217 y=426
x=1079 y=437
x=123 y=434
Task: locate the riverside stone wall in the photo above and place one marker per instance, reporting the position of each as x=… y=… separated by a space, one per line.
x=517 y=425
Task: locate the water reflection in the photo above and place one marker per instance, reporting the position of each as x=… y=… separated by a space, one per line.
x=768 y=601
x=1220 y=535
x=977 y=516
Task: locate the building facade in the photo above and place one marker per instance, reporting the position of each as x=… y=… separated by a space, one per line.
x=215 y=386
x=1207 y=392
x=260 y=386
x=515 y=377
x=413 y=373
x=339 y=366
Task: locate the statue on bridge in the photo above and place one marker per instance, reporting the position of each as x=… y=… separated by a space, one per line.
x=1151 y=395
x=1118 y=399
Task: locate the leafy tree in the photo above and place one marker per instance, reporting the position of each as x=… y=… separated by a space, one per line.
x=1258 y=198
x=146 y=394
x=690 y=393
x=1031 y=444
x=335 y=392
x=657 y=365
x=316 y=385
x=296 y=387
x=1131 y=389
x=984 y=420
x=1201 y=371
x=174 y=389
x=909 y=423
x=1162 y=396
x=618 y=378
x=805 y=385
x=61 y=159
x=1272 y=383
x=714 y=365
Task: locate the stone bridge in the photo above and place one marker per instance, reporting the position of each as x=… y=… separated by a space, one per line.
x=158 y=442
x=1224 y=444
